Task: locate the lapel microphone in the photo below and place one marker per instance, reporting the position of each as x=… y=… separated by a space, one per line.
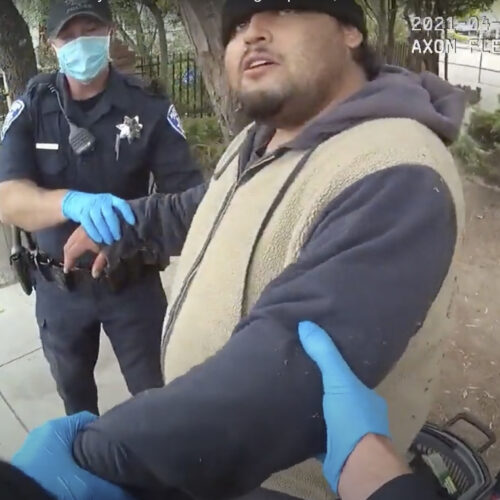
x=80 y=139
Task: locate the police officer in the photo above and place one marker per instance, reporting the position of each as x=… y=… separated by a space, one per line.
x=75 y=146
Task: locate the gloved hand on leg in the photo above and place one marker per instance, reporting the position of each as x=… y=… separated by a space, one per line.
x=47 y=457
x=97 y=213
x=350 y=409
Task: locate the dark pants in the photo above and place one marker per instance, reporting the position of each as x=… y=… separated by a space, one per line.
x=70 y=325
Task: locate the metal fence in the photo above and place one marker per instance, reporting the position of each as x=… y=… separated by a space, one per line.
x=401 y=54
x=479 y=65
x=467 y=64
x=184 y=84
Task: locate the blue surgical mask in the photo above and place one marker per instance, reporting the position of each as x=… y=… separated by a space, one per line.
x=84 y=58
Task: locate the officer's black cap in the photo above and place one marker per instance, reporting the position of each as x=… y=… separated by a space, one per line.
x=237 y=11
x=62 y=11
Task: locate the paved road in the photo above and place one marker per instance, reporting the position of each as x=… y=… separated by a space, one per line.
x=28 y=395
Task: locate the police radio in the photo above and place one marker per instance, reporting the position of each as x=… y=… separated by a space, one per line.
x=80 y=139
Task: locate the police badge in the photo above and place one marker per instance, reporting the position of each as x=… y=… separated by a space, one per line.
x=130 y=129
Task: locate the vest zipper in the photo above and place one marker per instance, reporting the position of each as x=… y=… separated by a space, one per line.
x=192 y=273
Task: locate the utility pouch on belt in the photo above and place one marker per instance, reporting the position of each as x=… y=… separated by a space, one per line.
x=21 y=261
x=129 y=271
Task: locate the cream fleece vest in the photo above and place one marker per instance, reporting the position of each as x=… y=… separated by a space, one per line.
x=241 y=239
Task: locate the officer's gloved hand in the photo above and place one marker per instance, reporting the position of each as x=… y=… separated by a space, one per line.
x=97 y=213
x=47 y=457
x=351 y=410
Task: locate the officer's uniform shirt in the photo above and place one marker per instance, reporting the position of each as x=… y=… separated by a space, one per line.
x=35 y=145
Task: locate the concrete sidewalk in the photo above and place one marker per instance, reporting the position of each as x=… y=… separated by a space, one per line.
x=28 y=395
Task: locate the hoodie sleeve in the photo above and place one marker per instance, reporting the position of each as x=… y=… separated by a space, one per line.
x=162 y=224
x=368 y=273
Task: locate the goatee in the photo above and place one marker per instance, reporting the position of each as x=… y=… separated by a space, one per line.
x=262 y=105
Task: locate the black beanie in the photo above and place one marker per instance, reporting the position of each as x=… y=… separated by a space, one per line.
x=237 y=11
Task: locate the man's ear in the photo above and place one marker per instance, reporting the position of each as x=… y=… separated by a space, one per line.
x=352 y=36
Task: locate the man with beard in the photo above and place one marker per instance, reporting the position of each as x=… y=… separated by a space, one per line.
x=340 y=205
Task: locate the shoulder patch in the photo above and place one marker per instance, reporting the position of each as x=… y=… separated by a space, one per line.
x=14 y=113
x=175 y=120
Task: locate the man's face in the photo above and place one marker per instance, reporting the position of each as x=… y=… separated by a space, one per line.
x=285 y=65
x=80 y=26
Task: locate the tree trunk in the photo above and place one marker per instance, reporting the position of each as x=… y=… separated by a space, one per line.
x=162 y=37
x=202 y=19
x=140 y=38
x=413 y=60
x=17 y=60
x=421 y=61
x=17 y=57
x=431 y=63
x=392 y=14
x=382 y=29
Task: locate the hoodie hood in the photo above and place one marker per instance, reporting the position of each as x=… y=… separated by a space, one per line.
x=394 y=93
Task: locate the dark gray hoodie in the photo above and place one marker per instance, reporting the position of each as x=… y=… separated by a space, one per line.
x=395 y=93
x=373 y=263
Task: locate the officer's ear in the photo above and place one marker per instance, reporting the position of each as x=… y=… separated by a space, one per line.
x=52 y=44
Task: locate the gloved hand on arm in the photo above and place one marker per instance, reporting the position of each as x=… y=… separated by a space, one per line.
x=47 y=457
x=359 y=456
x=98 y=214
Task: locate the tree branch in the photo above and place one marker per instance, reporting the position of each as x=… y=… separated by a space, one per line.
x=153 y=39
x=126 y=37
x=370 y=10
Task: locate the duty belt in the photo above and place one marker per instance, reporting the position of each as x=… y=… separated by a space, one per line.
x=27 y=261
x=128 y=272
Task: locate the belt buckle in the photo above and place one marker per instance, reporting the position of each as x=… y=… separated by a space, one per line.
x=52 y=272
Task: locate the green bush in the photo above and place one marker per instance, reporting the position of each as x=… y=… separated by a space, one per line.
x=484 y=128
x=478 y=148
x=469 y=153
x=453 y=35
x=207 y=143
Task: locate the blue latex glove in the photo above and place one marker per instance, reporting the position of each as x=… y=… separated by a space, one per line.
x=350 y=409
x=47 y=457
x=97 y=213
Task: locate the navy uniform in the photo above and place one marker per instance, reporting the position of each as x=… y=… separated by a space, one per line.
x=130 y=309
